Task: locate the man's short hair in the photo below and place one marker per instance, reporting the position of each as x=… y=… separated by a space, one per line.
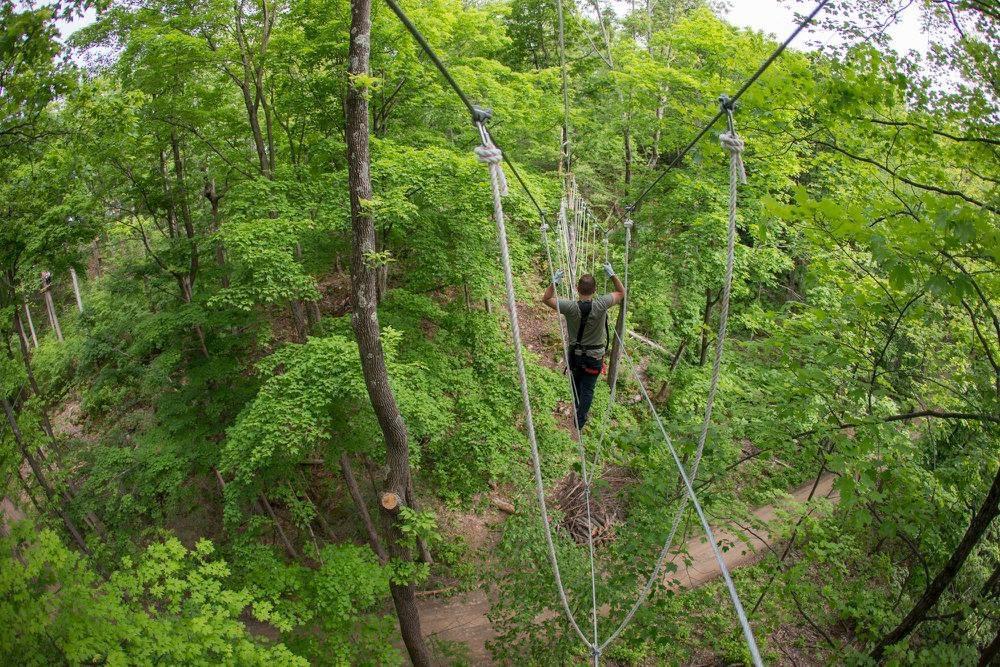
x=586 y=285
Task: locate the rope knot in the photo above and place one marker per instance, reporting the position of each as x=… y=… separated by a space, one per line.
x=734 y=144
x=491 y=155
x=628 y=223
x=545 y=227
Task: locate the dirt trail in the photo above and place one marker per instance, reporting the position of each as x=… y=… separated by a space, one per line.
x=463 y=618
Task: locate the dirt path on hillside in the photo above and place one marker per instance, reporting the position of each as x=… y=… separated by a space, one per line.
x=462 y=618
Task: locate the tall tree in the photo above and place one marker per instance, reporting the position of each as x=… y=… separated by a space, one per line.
x=364 y=319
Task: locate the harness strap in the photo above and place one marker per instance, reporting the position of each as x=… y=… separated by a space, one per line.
x=585 y=308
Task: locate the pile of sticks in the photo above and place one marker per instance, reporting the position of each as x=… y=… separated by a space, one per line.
x=606 y=508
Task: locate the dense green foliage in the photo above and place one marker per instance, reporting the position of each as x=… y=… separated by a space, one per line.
x=187 y=160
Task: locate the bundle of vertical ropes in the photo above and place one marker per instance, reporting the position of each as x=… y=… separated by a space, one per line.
x=577 y=250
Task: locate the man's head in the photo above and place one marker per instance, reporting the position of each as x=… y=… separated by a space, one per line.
x=586 y=285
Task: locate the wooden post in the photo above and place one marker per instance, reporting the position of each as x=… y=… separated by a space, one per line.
x=49 y=305
x=76 y=289
x=31 y=325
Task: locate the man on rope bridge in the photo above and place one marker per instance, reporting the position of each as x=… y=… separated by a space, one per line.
x=587 y=324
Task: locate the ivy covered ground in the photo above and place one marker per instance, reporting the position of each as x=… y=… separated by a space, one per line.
x=283 y=425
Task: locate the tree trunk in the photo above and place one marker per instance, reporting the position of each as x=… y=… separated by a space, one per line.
x=662 y=394
x=616 y=346
x=50 y=306
x=364 y=319
x=277 y=525
x=26 y=357
x=627 y=136
x=213 y=197
x=36 y=470
x=299 y=320
x=359 y=502
x=31 y=324
x=980 y=523
x=306 y=309
x=989 y=653
x=76 y=289
x=619 y=338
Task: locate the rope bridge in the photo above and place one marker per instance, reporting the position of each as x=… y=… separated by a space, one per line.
x=577 y=251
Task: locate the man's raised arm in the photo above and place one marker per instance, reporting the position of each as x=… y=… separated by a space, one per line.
x=619 y=294
x=549 y=298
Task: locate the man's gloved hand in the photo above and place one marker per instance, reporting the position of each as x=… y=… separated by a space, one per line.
x=557 y=278
x=608 y=270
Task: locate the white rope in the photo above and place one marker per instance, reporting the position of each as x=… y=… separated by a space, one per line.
x=489 y=154
x=737 y=175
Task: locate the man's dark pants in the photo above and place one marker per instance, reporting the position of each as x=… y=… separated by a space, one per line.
x=583 y=384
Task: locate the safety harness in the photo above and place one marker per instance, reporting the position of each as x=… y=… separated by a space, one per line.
x=579 y=356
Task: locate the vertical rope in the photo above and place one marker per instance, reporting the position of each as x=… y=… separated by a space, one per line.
x=489 y=154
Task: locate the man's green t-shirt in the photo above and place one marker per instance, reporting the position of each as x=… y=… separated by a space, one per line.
x=595 y=333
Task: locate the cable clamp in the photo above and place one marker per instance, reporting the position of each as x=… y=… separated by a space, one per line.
x=481 y=115
x=727 y=103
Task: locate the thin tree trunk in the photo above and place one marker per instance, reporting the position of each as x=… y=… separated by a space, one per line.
x=616 y=348
x=213 y=197
x=616 y=345
x=26 y=357
x=674 y=360
x=989 y=654
x=627 y=136
x=977 y=528
x=359 y=503
x=49 y=306
x=277 y=525
x=36 y=470
x=76 y=289
x=299 y=320
x=323 y=523
x=31 y=324
x=303 y=307
x=364 y=319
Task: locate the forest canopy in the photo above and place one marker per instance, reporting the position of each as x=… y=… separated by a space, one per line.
x=260 y=387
